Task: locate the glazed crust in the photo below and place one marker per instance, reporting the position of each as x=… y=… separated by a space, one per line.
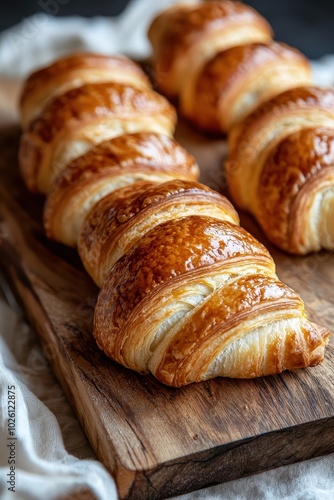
x=74 y=71
x=83 y=117
x=251 y=140
x=234 y=82
x=250 y=302
x=188 y=291
x=116 y=223
x=296 y=189
x=180 y=36
x=111 y=165
x=186 y=294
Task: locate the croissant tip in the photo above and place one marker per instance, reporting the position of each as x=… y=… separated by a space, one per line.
x=322 y=331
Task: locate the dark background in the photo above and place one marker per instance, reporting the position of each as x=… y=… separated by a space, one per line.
x=305 y=24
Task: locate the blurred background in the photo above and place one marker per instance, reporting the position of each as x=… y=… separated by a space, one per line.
x=306 y=24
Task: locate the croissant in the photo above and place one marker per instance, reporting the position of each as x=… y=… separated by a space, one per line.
x=186 y=293
x=219 y=58
x=111 y=166
x=281 y=168
x=74 y=71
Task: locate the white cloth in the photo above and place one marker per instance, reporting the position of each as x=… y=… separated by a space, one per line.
x=52 y=455
x=41 y=38
x=42 y=426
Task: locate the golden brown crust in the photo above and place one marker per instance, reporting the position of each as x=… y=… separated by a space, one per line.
x=74 y=71
x=161 y=23
x=88 y=107
x=181 y=29
x=116 y=223
x=245 y=299
x=189 y=291
x=171 y=253
x=175 y=248
x=63 y=67
x=293 y=170
x=251 y=140
x=237 y=80
x=96 y=100
x=109 y=166
x=186 y=293
x=301 y=98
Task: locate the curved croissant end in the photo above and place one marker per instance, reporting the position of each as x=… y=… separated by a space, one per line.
x=296 y=188
x=280 y=168
x=219 y=59
x=185 y=37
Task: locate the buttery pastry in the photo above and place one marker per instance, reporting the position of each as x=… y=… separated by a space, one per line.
x=281 y=168
x=218 y=57
x=198 y=298
x=118 y=221
x=280 y=162
x=186 y=293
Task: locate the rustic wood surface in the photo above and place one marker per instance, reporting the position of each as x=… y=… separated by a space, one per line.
x=159 y=441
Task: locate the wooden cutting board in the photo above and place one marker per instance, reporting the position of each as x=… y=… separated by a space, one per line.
x=159 y=441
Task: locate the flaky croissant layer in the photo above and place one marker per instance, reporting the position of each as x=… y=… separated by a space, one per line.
x=186 y=293
x=74 y=122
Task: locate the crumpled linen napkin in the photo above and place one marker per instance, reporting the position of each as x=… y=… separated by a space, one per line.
x=41 y=38
x=52 y=456
x=37 y=423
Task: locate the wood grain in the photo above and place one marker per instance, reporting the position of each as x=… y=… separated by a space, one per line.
x=159 y=441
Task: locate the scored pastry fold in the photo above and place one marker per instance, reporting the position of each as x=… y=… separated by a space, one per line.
x=186 y=293
x=74 y=122
x=74 y=71
x=281 y=168
x=112 y=165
